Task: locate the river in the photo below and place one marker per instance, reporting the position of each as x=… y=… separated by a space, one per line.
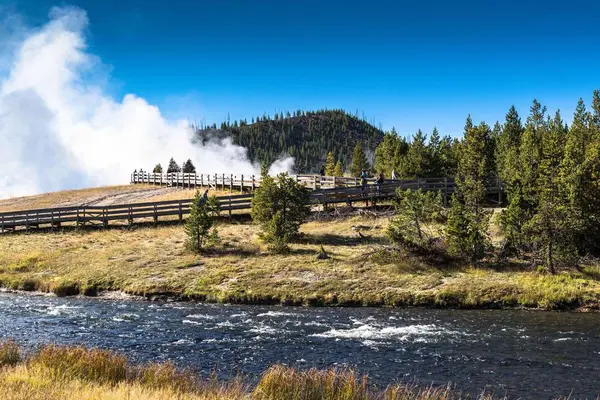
x=519 y=353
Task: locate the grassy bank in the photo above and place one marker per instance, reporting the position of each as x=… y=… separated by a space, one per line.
x=56 y=372
x=150 y=261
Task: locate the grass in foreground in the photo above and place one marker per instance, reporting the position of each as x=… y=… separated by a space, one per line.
x=57 y=372
x=150 y=261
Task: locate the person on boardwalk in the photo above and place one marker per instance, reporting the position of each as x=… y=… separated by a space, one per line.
x=204 y=197
x=379 y=182
x=394 y=177
x=322 y=171
x=363 y=185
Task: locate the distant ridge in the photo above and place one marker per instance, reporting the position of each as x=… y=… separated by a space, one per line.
x=305 y=135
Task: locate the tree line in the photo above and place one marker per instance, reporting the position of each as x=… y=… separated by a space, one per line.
x=551 y=176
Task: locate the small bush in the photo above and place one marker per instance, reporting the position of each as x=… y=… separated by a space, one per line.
x=66 y=288
x=9 y=354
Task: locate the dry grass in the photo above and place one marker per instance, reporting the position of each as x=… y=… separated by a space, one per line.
x=101 y=196
x=150 y=261
x=60 y=372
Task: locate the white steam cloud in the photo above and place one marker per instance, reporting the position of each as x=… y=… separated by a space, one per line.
x=60 y=130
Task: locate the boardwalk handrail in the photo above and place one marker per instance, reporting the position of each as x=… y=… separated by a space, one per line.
x=102 y=215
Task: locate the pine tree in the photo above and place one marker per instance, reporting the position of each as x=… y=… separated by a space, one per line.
x=359 y=161
x=466 y=211
x=448 y=156
x=596 y=114
x=280 y=207
x=330 y=165
x=416 y=162
x=509 y=143
x=173 y=167
x=198 y=227
x=434 y=150
x=530 y=152
x=338 y=170
x=264 y=169
x=188 y=167
x=578 y=139
x=413 y=210
x=553 y=225
x=157 y=169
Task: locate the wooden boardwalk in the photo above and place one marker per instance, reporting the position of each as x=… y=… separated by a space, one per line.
x=241 y=183
x=151 y=211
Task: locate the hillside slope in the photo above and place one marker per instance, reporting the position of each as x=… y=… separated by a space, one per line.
x=307 y=136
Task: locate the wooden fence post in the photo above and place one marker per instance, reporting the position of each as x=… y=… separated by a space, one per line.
x=230 y=183
x=230 y=205
x=241 y=183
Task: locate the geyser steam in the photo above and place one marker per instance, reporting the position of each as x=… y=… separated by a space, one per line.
x=59 y=129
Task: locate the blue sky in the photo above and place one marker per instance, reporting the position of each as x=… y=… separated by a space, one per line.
x=408 y=64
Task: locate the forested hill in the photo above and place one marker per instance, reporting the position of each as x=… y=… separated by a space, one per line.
x=306 y=135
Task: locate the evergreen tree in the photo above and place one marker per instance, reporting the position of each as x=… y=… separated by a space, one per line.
x=188 y=167
x=513 y=220
x=157 y=169
x=330 y=165
x=434 y=150
x=596 y=114
x=448 y=156
x=198 y=227
x=508 y=148
x=466 y=210
x=578 y=139
x=280 y=207
x=264 y=169
x=338 y=170
x=359 y=161
x=413 y=210
x=530 y=153
x=416 y=162
x=173 y=167
x=553 y=226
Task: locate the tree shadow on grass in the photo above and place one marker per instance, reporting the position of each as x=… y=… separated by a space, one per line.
x=329 y=239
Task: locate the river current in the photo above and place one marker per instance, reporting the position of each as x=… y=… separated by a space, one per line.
x=518 y=353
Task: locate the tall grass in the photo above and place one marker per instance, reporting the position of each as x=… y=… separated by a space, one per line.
x=282 y=383
x=9 y=354
x=61 y=372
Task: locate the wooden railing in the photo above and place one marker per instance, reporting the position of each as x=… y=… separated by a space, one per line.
x=151 y=211
x=236 y=182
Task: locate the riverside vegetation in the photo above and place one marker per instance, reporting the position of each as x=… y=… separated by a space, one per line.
x=537 y=252
x=60 y=372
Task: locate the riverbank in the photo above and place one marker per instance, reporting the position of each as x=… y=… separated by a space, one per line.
x=58 y=372
x=152 y=262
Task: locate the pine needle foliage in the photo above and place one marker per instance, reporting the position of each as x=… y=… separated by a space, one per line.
x=279 y=207
x=199 y=225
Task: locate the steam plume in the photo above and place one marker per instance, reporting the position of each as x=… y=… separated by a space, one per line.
x=59 y=129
